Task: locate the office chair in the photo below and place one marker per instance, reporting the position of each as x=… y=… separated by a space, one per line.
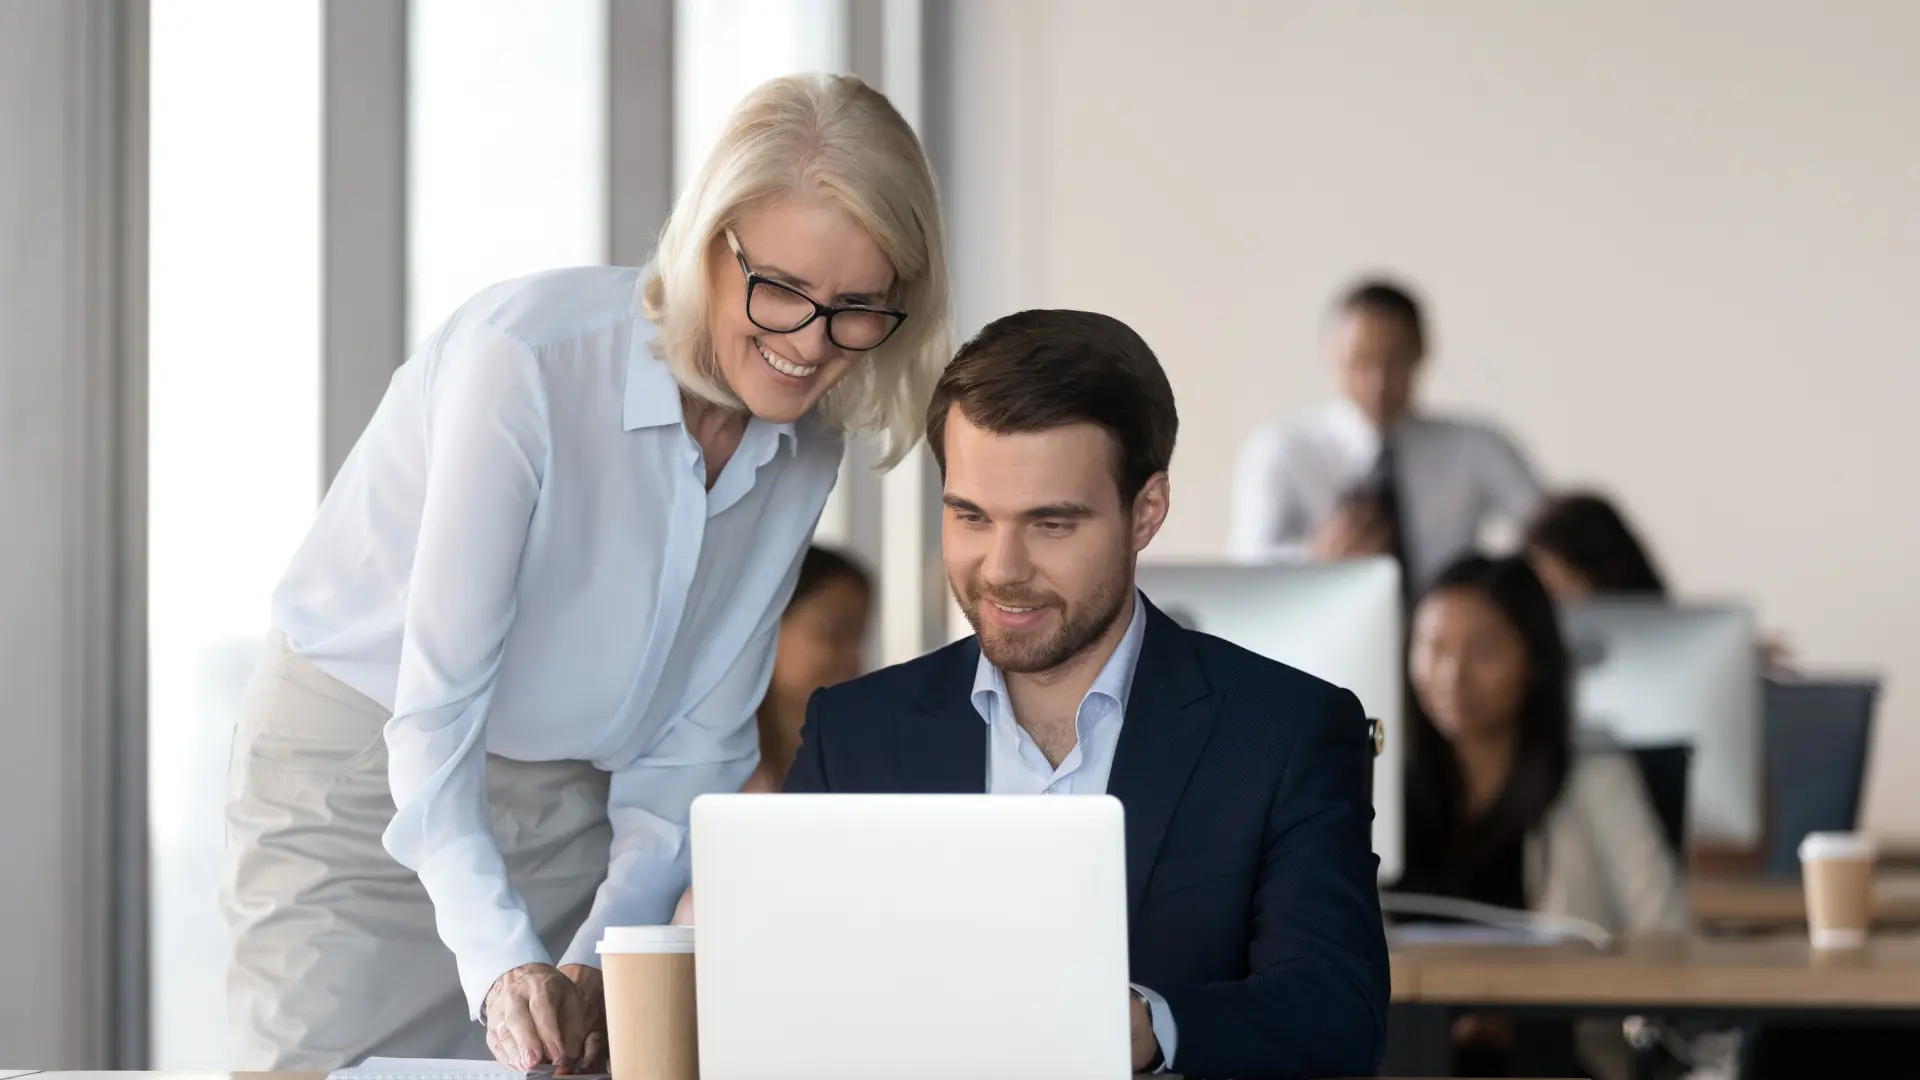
x=1376 y=745
x=1663 y=769
x=1660 y=1047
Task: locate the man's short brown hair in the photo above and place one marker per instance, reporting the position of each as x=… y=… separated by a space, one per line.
x=1044 y=369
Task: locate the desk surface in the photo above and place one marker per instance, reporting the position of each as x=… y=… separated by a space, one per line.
x=1766 y=902
x=1680 y=972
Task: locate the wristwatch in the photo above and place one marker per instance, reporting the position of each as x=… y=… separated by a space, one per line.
x=1159 y=1059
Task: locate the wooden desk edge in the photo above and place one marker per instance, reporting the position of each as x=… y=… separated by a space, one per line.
x=1673 y=972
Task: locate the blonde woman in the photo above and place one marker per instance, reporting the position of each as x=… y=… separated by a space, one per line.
x=538 y=608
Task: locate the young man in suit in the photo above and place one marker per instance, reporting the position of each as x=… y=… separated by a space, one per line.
x=1256 y=947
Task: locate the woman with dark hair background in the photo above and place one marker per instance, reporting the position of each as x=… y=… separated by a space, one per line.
x=822 y=633
x=1500 y=809
x=1492 y=731
x=1581 y=547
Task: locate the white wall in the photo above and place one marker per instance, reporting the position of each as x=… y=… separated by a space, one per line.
x=1675 y=248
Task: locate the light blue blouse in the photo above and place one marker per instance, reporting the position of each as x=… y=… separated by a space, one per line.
x=521 y=557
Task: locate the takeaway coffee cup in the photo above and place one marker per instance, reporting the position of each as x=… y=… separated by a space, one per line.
x=648 y=972
x=1838 y=869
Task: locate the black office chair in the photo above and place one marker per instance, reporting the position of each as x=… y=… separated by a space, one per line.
x=1664 y=769
x=1818 y=734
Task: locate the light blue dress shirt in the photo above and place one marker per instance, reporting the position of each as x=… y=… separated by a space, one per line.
x=521 y=557
x=1015 y=765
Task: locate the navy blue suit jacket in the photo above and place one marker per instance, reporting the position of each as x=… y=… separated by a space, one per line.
x=1252 y=902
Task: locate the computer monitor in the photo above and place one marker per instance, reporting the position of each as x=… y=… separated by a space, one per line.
x=1339 y=621
x=1819 y=733
x=1651 y=672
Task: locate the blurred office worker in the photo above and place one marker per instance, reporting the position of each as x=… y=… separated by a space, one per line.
x=822 y=635
x=1369 y=473
x=1582 y=547
x=538 y=609
x=1499 y=808
x=1255 y=935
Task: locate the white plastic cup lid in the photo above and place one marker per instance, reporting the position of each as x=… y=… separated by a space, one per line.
x=1837 y=845
x=646 y=939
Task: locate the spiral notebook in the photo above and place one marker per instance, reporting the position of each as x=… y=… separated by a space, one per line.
x=384 y=1068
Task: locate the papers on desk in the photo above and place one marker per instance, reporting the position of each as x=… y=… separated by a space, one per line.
x=10 y=1074
x=384 y=1068
x=1509 y=926
x=1468 y=934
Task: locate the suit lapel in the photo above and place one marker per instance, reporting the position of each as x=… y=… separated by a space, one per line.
x=941 y=747
x=1170 y=714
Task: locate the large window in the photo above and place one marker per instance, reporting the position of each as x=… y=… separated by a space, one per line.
x=724 y=48
x=507 y=123
x=234 y=439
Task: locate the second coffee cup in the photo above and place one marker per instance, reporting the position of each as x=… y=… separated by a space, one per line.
x=651 y=1026
x=1838 y=869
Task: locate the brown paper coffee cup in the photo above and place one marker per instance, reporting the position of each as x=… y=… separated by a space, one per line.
x=651 y=1032
x=1838 y=872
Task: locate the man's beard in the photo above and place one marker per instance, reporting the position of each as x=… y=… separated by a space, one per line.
x=1033 y=651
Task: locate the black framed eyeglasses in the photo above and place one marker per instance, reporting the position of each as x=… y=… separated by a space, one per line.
x=782 y=309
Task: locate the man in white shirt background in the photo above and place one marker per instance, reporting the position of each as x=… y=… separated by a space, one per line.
x=1369 y=473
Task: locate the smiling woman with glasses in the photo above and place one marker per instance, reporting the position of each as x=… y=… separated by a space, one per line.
x=538 y=608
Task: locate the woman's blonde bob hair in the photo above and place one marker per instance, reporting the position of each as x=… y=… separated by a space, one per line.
x=834 y=137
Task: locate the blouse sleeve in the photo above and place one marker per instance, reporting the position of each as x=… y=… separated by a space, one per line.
x=487 y=446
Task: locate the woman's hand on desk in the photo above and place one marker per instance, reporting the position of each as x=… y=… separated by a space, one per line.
x=593 y=1002
x=537 y=1014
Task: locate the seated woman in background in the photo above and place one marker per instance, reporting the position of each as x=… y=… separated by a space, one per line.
x=822 y=633
x=1499 y=808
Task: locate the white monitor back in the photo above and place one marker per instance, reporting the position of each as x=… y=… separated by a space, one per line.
x=1341 y=622
x=1649 y=672
x=932 y=936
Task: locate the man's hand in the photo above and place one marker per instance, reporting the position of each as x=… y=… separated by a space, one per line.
x=1145 y=1046
x=593 y=1004
x=1359 y=528
x=534 y=1016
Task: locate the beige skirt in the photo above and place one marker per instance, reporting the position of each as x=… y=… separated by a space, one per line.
x=334 y=953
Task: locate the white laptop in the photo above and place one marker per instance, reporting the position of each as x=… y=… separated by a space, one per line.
x=931 y=936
